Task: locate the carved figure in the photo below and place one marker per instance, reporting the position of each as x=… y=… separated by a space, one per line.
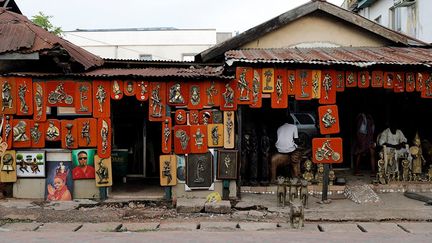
x=52 y=132
x=389 y=79
x=211 y=92
x=102 y=173
x=22 y=90
x=116 y=89
x=199 y=138
x=59 y=95
x=6 y=95
x=167 y=133
x=381 y=176
x=167 y=171
x=363 y=79
x=350 y=78
x=410 y=79
x=326 y=152
x=378 y=80
x=308 y=174
x=268 y=74
x=7 y=163
x=143 y=89
x=69 y=139
x=38 y=98
x=156 y=102
x=229 y=126
x=328 y=119
x=205 y=118
x=104 y=135
x=320 y=174
x=195 y=118
x=217 y=117
x=183 y=137
x=419 y=81
x=416 y=152
x=340 y=80
x=83 y=91
x=195 y=95
x=35 y=133
x=228 y=96
x=19 y=132
x=179 y=117
x=406 y=172
x=255 y=87
x=85 y=132
x=175 y=95
x=281 y=191
x=227 y=162
x=304 y=193
x=8 y=128
x=332 y=177
x=200 y=168
x=296 y=215
x=130 y=87
x=327 y=85
x=291 y=80
x=279 y=89
x=315 y=85
x=243 y=86
x=101 y=95
x=215 y=135
x=303 y=84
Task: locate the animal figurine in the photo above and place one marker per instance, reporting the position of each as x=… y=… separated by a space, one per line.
x=284 y=159
x=296 y=215
x=281 y=191
x=304 y=193
x=293 y=189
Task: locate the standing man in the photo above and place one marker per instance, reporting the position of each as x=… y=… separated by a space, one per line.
x=364 y=143
x=83 y=170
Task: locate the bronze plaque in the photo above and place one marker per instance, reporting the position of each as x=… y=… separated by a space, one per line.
x=199 y=171
x=227 y=165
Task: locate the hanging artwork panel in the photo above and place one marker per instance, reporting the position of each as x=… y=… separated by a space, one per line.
x=421 y=77
x=427 y=89
x=217 y=116
x=39 y=101
x=279 y=98
x=215 y=135
x=60 y=93
x=212 y=93
x=104 y=138
x=25 y=96
x=177 y=93
x=103 y=172
x=101 y=99
x=340 y=81
x=304 y=87
x=69 y=131
x=243 y=91
x=166 y=135
x=193 y=117
x=388 y=80
x=199 y=171
x=180 y=117
x=327 y=150
x=168 y=170
x=7 y=133
x=205 y=117
x=181 y=139
x=291 y=75
x=377 y=79
x=328 y=87
x=410 y=82
x=37 y=134
x=328 y=119
x=351 y=79
x=198 y=141
x=157 y=102
x=316 y=84
x=84 y=98
x=129 y=88
x=256 y=89
x=363 y=79
x=9 y=95
x=142 y=92
x=30 y=163
x=229 y=103
x=8 y=169
x=229 y=130
x=21 y=133
x=52 y=130
x=59 y=183
x=196 y=96
x=399 y=82
x=227 y=165
x=117 y=87
x=83 y=164
x=87 y=132
x=268 y=77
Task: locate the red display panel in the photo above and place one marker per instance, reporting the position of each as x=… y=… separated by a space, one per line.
x=21 y=133
x=39 y=101
x=101 y=99
x=399 y=82
x=328 y=119
x=177 y=93
x=84 y=98
x=69 y=134
x=327 y=150
x=37 y=134
x=328 y=87
x=87 y=132
x=9 y=95
x=388 y=80
x=350 y=79
x=60 y=93
x=279 y=98
x=243 y=86
x=157 y=102
x=421 y=77
x=193 y=117
x=229 y=102
x=198 y=141
x=117 y=88
x=7 y=134
x=142 y=92
x=212 y=93
x=377 y=79
x=304 y=87
x=410 y=82
x=340 y=81
x=181 y=139
x=24 y=96
x=166 y=135
x=104 y=138
x=52 y=130
x=196 y=95
x=180 y=117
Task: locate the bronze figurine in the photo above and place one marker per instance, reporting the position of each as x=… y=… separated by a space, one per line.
x=166 y=172
x=268 y=76
x=104 y=135
x=22 y=90
x=6 y=95
x=340 y=81
x=59 y=95
x=38 y=99
x=327 y=85
x=102 y=173
x=175 y=96
x=156 y=102
x=200 y=168
x=35 y=133
x=229 y=125
x=83 y=90
x=52 y=132
x=328 y=119
x=303 y=84
x=8 y=128
x=350 y=78
x=215 y=135
x=243 y=86
x=183 y=137
x=167 y=133
x=19 y=132
x=308 y=174
x=279 y=89
x=143 y=89
x=195 y=95
x=85 y=132
x=211 y=92
x=255 y=87
x=228 y=96
x=199 y=138
x=116 y=89
x=315 y=85
x=101 y=95
x=69 y=139
x=291 y=80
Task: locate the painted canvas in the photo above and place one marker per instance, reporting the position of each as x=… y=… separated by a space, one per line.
x=30 y=163
x=83 y=164
x=59 y=184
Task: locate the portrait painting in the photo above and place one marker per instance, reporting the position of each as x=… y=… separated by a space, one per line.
x=227 y=165
x=30 y=163
x=59 y=183
x=199 y=171
x=83 y=164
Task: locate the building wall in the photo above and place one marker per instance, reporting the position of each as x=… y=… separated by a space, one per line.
x=309 y=31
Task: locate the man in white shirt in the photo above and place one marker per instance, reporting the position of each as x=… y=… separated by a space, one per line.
x=285 y=138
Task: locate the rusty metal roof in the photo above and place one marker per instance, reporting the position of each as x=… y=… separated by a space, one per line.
x=357 y=56
x=19 y=34
x=188 y=73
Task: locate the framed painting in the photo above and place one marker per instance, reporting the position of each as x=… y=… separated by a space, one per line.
x=199 y=171
x=59 y=183
x=227 y=165
x=30 y=163
x=8 y=171
x=83 y=164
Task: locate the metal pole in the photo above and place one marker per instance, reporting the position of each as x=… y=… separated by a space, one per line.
x=325 y=182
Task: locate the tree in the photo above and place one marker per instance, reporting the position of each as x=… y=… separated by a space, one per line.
x=43 y=21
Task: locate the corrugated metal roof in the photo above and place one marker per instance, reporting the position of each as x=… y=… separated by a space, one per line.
x=19 y=34
x=357 y=56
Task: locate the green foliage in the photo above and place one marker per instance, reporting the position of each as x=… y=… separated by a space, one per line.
x=43 y=21
x=39 y=156
x=19 y=157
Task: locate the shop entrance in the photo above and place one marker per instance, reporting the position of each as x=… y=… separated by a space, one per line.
x=136 y=149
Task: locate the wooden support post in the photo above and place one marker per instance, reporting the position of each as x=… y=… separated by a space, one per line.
x=168 y=193
x=325 y=182
x=225 y=189
x=103 y=193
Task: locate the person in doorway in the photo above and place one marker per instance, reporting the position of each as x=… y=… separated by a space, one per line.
x=364 y=141
x=83 y=170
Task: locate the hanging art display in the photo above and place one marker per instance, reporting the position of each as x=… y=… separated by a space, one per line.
x=198 y=141
x=180 y=117
x=9 y=98
x=351 y=79
x=427 y=89
x=117 y=87
x=199 y=171
x=229 y=103
x=193 y=117
x=87 y=132
x=21 y=133
x=37 y=134
x=227 y=165
x=60 y=93
x=142 y=93
x=30 y=163
x=410 y=82
x=39 y=101
x=363 y=79
x=101 y=99
x=229 y=130
x=83 y=98
x=69 y=131
x=399 y=82
x=52 y=132
x=8 y=172
x=256 y=89
x=157 y=102
x=129 y=88
x=205 y=117
x=59 y=183
x=196 y=96
x=316 y=84
x=377 y=79
x=243 y=90
x=327 y=150
x=104 y=138
x=328 y=119
x=7 y=134
x=212 y=93
x=181 y=139
x=388 y=80
x=328 y=88
x=304 y=87
x=420 y=80
x=340 y=81
x=268 y=78
x=168 y=170
x=166 y=135
x=215 y=135
x=279 y=98
x=25 y=96
x=103 y=171
x=177 y=93
x=83 y=164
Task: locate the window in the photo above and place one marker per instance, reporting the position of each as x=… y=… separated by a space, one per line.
x=146 y=57
x=378 y=19
x=189 y=57
x=395 y=15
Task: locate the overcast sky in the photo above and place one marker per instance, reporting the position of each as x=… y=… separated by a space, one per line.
x=223 y=15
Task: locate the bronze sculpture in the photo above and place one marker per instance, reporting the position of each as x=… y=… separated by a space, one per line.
x=291 y=80
x=167 y=133
x=116 y=89
x=243 y=86
x=328 y=119
x=35 y=133
x=6 y=95
x=255 y=87
x=101 y=95
x=19 y=132
x=38 y=99
x=211 y=92
x=83 y=90
x=183 y=137
x=200 y=168
x=175 y=96
x=303 y=84
x=268 y=74
x=22 y=90
x=69 y=139
x=316 y=85
x=8 y=128
x=52 y=132
x=156 y=102
x=59 y=95
x=143 y=89
x=102 y=173
x=199 y=138
x=229 y=125
x=340 y=80
x=104 y=135
x=308 y=174
x=85 y=132
x=327 y=85
x=215 y=135
x=279 y=89
x=166 y=172
x=195 y=95
x=228 y=96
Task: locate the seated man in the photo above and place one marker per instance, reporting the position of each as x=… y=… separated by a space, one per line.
x=393 y=142
x=287 y=135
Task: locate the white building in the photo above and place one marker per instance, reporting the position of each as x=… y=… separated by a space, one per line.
x=410 y=17
x=147 y=43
